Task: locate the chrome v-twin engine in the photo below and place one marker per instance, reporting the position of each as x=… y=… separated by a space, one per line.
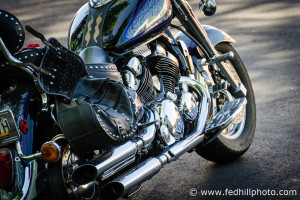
x=174 y=102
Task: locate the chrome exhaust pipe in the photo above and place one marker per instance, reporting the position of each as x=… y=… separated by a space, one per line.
x=109 y=163
x=127 y=182
x=92 y=169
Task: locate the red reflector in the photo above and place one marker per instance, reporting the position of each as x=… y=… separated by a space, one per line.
x=23 y=126
x=6 y=168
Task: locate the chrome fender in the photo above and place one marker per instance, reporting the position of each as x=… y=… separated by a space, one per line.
x=214 y=34
x=217 y=36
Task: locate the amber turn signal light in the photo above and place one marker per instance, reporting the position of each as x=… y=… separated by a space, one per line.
x=50 y=151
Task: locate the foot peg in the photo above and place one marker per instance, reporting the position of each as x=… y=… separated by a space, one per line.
x=226 y=115
x=216 y=59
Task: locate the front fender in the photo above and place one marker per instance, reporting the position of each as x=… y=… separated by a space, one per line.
x=214 y=34
x=217 y=36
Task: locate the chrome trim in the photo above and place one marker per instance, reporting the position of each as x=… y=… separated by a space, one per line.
x=188 y=106
x=28 y=190
x=142 y=50
x=186 y=54
x=52 y=106
x=216 y=35
x=135 y=65
x=227 y=94
x=58 y=137
x=130 y=80
x=172 y=57
x=156 y=82
x=99 y=166
x=108 y=173
x=234 y=130
x=197 y=135
x=83 y=189
x=7 y=54
x=23 y=157
x=187 y=102
x=208 y=7
x=171 y=96
x=159 y=51
x=166 y=136
x=98 y=3
x=184 y=48
x=119 y=154
x=169 y=115
x=147 y=138
x=27 y=67
x=94 y=55
x=237 y=104
x=44 y=98
x=128 y=181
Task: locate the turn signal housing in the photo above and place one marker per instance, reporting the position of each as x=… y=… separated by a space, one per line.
x=6 y=168
x=50 y=152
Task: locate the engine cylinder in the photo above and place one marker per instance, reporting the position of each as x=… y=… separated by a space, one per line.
x=145 y=90
x=167 y=69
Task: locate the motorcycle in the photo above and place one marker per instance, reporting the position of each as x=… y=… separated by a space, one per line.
x=99 y=118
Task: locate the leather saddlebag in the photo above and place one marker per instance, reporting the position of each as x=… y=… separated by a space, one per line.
x=102 y=115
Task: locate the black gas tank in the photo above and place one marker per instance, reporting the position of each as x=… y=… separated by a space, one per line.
x=119 y=25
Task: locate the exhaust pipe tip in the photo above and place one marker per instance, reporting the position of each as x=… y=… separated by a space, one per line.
x=112 y=190
x=84 y=174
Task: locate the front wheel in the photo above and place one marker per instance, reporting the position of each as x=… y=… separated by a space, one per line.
x=234 y=141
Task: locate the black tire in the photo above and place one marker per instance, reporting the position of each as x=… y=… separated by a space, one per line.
x=222 y=149
x=57 y=188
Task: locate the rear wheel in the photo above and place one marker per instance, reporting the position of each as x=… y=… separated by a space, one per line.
x=235 y=140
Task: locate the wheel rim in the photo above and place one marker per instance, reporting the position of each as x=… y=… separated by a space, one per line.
x=234 y=130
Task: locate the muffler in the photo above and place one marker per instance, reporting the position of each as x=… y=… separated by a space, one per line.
x=131 y=179
x=92 y=169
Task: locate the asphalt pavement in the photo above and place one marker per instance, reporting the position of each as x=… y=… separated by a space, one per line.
x=268 y=40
